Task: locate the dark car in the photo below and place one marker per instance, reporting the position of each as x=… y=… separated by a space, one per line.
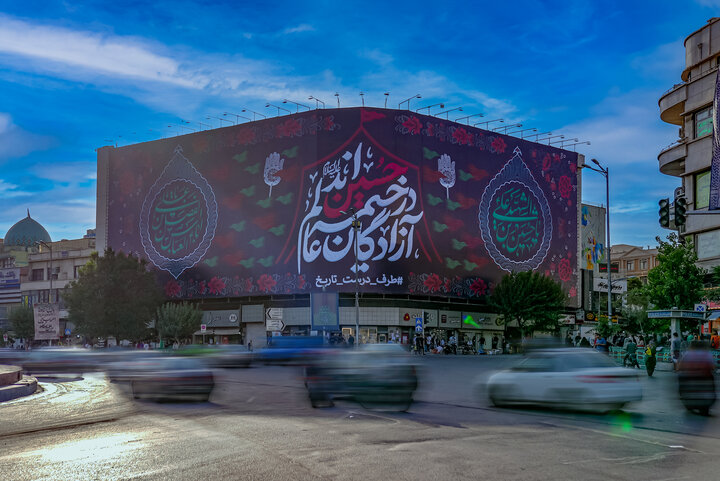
x=177 y=378
x=59 y=360
x=230 y=355
x=292 y=349
x=376 y=375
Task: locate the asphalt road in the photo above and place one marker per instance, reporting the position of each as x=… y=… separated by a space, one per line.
x=259 y=425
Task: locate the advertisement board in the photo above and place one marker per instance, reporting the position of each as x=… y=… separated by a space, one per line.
x=268 y=207
x=47 y=321
x=592 y=235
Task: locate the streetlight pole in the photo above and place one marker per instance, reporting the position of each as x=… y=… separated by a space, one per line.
x=356 y=228
x=606 y=173
x=416 y=96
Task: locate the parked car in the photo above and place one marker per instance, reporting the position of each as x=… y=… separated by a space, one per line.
x=177 y=378
x=376 y=375
x=570 y=378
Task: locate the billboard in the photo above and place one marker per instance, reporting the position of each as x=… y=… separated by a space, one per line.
x=592 y=233
x=47 y=321
x=268 y=207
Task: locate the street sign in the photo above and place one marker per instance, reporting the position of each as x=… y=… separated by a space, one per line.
x=274 y=325
x=700 y=308
x=418 y=324
x=203 y=327
x=67 y=332
x=274 y=313
x=233 y=317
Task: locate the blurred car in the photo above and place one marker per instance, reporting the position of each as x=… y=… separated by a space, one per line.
x=230 y=355
x=121 y=365
x=11 y=356
x=573 y=378
x=291 y=349
x=696 y=379
x=177 y=378
x=376 y=376
x=59 y=360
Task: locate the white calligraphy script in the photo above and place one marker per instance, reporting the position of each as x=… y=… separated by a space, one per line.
x=388 y=214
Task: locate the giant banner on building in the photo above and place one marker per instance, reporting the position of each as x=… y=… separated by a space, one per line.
x=592 y=234
x=267 y=207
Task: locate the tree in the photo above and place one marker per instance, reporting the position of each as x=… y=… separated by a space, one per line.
x=114 y=295
x=177 y=321
x=635 y=306
x=676 y=281
x=531 y=299
x=22 y=320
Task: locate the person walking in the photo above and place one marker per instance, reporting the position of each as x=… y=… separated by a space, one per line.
x=650 y=359
x=482 y=342
x=631 y=349
x=675 y=347
x=494 y=342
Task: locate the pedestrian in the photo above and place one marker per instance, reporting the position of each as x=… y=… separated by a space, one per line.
x=482 y=342
x=631 y=349
x=601 y=343
x=351 y=340
x=578 y=339
x=675 y=347
x=650 y=359
x=568 y=339
x=715 y=340
x=494 y=342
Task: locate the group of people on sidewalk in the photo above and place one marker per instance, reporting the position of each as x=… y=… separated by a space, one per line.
x=436 y=344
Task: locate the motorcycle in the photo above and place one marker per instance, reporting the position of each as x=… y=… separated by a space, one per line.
x=696 y=380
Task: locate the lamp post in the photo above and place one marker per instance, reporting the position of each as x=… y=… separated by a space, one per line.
x=297 y=105
x=237 y=117
x=447 y=112
x=441 y=105
x=488 y=122
x=468 y=117
x=268 y=105
x=606 y=173
x=317 y=101
x=416 y=96
x=254 y=113
x=220 y=119
x=356 y=228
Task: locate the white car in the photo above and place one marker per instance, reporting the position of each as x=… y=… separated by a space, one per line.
x=573 y=378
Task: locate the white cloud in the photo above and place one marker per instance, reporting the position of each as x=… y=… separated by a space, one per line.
x=303 y=27
x=67 y=172
x=8 y=190
x=106 y=54
x=16 y=142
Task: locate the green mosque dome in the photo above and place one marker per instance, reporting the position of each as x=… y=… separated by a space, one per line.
x=26 y=233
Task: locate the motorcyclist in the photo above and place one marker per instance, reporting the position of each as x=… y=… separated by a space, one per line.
x=696 y=380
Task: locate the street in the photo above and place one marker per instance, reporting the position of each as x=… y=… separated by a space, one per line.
x=259 y=425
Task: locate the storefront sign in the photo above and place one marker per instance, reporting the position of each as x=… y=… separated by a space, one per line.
x=325 y=310
x=601 y=285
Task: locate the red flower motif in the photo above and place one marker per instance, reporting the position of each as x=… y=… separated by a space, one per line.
x=547 y=177
x=462 y=136
x=565 y=186
x=202 y=287
x=289 y=128
x=499 y=145
x=547 y=160
x=216 y=285
x=266 y=283
x=172 y=289
x=573 y=167
x=430 y=131
x=245 y=136
x=573 y=292
x=247 y=285
x=413 y=125
x=553 y=186
x=564 y=270
x=433 y=282
x=301 y=282
x=478 y=287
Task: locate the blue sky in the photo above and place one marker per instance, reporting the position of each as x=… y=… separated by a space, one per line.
x=78 y=75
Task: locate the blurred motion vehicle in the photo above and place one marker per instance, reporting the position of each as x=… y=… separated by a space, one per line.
x=11 y=356
x=376 y=376
x=177 y=378
x=696 y=379
x=59 y=360
x=121 y=365
x=230 y=355
x=292 y=349
x=571 y=378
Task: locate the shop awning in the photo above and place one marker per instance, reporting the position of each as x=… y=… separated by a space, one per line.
x=219 y=331
x=714 y=316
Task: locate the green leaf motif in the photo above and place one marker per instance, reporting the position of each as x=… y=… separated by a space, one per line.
x=212 y=262
x=265 y=203
x=242 y=157
x=258 y=242
x=285 y=199
x=464 y=176
x=240 y=226
x=451 y=263
x=457 y=245
x=253 y=169
x=433 y=201
x=250 y=191
x=469 y=266
x=290 y=153
x=429 y=154
x=248 y=262
x=452 y=205
x=278 y=230
x=438 y=226
x=267 y=261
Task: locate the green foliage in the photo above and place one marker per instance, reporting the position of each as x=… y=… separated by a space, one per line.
x=22 y=321
x=115 y=295
x=177 y=322
x=677 y=281
x=531 y=299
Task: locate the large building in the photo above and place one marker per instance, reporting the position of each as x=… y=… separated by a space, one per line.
x=275 y=224
x=689 y=105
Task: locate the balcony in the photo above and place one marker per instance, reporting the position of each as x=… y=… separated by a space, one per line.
x=672 y=104
x=672 y=157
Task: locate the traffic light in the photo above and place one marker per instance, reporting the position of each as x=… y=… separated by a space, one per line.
x=426 y=318
x=664 y=212
x=680 y=211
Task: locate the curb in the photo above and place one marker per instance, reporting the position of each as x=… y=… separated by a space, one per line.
x=9 y=374
x=24 y=387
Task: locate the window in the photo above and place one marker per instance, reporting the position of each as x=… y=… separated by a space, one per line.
x=708 y=244
x=703 y=122
x=38 y=275
x=630 y=265
x=643 y=264
x=76 y=271
x=702 y=190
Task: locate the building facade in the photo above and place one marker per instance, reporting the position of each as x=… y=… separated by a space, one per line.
x=634 y=261
x=689 y=105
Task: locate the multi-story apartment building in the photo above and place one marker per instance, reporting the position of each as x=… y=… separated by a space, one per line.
x=689 y=105
x=633 y=261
